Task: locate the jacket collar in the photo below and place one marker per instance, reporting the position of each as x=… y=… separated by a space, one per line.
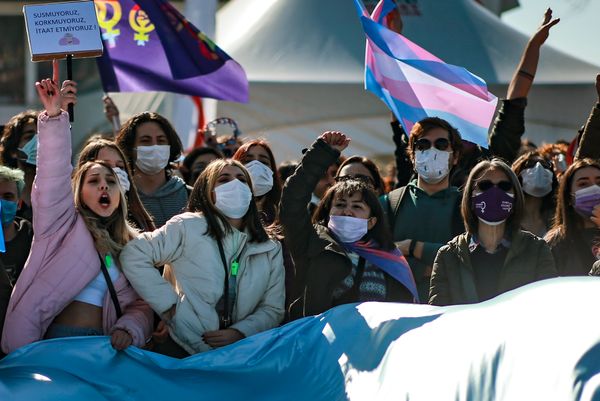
x=332 y=244
x=474 y=243
x=236 y=241
x=463 y=241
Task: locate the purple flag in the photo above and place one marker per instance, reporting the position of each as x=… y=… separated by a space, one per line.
x=150 y=46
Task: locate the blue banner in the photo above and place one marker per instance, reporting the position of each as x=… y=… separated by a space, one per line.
x=540 y=342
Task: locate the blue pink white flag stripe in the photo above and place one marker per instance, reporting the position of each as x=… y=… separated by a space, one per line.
x=392 y=262
x=415 y=84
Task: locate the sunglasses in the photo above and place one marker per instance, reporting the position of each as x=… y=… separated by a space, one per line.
x=365 y=179
x=545 y=164
x=439 y=144
x=487 y=184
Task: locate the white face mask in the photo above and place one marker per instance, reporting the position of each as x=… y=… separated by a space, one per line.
x=537 y=181
x=262 y=177
x=233 y=199
x=123 y=178
x=432 y=165
x=348 y=229
x=152 y=159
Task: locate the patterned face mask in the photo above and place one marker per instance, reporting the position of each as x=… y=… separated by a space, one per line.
x=493 y=206
x=432 y=164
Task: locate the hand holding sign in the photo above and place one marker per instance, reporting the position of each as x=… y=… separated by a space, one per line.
x=48 y=92
x=59 y=30
x=68 y=93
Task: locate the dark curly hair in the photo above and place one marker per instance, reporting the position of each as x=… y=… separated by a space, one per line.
x=126 y=137
x=380 y=232
x=11 y=136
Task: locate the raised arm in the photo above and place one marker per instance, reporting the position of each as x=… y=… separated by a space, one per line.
x=525 y=72
x=404 y=167
x=297 y=191
x=589 y=144
x=52 y=196
x=509 y=125
x=111 y=112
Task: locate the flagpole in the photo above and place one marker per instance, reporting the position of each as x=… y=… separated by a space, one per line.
x=70 y=77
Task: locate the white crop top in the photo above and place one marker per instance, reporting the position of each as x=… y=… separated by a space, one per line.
x=95 y=291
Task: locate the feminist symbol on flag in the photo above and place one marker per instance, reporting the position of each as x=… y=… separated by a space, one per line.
x=110 y=34
x=140 y=23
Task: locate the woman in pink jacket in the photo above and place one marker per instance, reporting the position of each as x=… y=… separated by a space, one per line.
x=79 y=224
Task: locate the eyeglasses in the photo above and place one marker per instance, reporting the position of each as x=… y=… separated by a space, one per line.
x=365 y=179
x=439 y=144
x=484 y=185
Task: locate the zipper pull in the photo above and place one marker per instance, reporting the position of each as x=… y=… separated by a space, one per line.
x=234 y=267
x=108 y=260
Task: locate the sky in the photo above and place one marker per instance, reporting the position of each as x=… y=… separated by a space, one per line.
x=577 y=33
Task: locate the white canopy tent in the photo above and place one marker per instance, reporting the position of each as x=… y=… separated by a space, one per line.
x=304 y=60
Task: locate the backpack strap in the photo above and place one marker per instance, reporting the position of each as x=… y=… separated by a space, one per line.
x=457 y=224
x=394 y=200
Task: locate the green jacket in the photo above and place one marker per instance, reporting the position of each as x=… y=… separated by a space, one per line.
x=321 y=264
x=529 y=259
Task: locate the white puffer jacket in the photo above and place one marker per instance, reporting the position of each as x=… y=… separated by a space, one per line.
x=194 y=260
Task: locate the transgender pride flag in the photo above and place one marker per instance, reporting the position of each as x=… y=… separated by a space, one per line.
x=415 y=84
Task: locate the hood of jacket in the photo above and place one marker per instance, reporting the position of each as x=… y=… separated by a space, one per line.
x=173 y=185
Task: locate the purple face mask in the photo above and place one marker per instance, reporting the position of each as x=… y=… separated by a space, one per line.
x=493 y=206
x=586 y=199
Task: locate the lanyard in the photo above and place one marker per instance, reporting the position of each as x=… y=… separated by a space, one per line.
x=234 y=271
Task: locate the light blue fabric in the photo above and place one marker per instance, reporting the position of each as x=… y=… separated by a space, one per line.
x=541 y=342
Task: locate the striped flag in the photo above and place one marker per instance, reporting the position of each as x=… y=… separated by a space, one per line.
x=415 y=84
x=391 y=262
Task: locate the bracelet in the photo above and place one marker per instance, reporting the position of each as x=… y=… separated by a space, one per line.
x=527 y=75
x=411 y=248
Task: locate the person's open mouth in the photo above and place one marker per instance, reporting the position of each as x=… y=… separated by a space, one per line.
x=104 y=200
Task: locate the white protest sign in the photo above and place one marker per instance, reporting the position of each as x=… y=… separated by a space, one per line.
x=56 y=30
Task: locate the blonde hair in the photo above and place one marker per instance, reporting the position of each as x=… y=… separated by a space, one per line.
x=112 y=233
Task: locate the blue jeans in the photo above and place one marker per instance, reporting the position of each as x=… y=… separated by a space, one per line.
x=60 y=330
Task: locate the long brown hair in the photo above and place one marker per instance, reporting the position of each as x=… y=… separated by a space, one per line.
x=201 y=200
x=136 y=208
x=513 y=223
x=380 y=232
x=567 y=222
x=272 y=198
x=112 y=233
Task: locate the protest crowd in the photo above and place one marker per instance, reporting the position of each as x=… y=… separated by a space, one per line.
x=182 y=254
